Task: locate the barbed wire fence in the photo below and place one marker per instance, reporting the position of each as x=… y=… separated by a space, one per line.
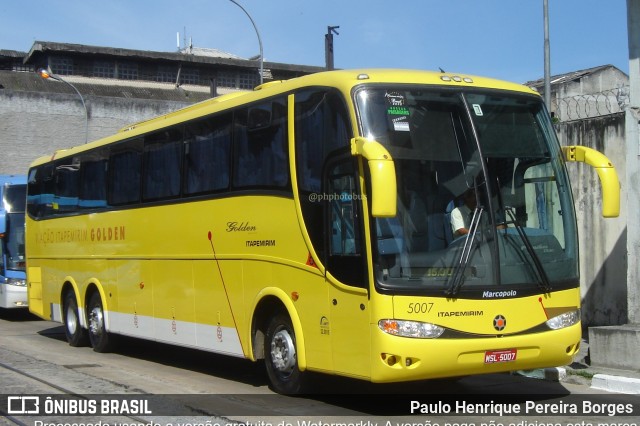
x=592 y=105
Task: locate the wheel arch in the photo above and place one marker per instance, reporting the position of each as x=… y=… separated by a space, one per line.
x=269 y=302
x=92 y=286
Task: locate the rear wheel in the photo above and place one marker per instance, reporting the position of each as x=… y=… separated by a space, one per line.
x=281 y=358
x=101 y=341
x=76 y=335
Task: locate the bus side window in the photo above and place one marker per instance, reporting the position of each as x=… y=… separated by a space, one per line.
x=322 y=128
x=40 y=191
x=345 y=240
x=67 y=183
x=93 y=181
x=342 y=213
x=162 y=164
x=208 y=152
x=124 y=175
x=260 y=140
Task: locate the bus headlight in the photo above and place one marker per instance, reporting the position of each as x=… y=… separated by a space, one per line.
x=20 y=282
x=564 y=320
x=420 y=330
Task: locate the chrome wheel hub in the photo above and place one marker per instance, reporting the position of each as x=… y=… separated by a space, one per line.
x=283 y=352
x=72 y=320
x=95 y=321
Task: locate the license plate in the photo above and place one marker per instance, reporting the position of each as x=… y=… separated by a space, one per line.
x=506 y=355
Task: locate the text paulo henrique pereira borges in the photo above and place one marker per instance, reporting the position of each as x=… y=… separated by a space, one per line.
x=523 y=408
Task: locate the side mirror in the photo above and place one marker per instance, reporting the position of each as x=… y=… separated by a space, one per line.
x=606 y=172
x=383 y=175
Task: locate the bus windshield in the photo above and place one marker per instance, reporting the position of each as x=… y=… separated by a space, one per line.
x=484 y=206
x=13 y=246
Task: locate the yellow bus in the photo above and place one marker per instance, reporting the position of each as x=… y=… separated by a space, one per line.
x=308 y=224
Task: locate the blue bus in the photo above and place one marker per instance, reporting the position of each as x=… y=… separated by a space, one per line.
x=13 y=195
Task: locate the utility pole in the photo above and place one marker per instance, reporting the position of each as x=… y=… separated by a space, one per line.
x=47 y=74
x=328 y=46
x=259 y=38
x=547 y=60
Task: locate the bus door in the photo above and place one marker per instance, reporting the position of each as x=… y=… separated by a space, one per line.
x=346 y=267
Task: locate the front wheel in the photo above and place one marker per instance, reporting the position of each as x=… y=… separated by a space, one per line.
x=280 y=357
x=101 y=341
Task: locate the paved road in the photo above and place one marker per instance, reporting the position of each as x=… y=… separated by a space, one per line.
x=192 y=386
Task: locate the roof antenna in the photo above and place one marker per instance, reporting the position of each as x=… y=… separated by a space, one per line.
x=441 y=70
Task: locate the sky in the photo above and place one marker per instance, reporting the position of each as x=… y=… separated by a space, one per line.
x=494 y=38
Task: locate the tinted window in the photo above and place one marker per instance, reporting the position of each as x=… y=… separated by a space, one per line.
x=162 y=164
x=322 y=128
x=208 y=152
x=260 y=138
x=66 y=185
x=93 y=180
x=40 y=190
x=14 y=197
x=124 y=174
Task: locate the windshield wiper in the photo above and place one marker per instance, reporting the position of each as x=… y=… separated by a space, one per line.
x=457 y=278
x=533 y=260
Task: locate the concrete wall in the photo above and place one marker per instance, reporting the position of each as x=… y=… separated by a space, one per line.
x=603 y=242
x=597 y=82
x=591 y=93
x=35 y=124
x=633 y=163
x=617 y=347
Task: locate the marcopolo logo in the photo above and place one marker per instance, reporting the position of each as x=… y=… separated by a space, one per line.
x=498 y=294
x=499 y=322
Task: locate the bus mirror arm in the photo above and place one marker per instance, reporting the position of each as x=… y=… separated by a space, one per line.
x=383 y=175
x=606 y=172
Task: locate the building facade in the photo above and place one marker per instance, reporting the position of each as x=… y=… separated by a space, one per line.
x=589 y=109
x=116 y=87
x=588 y=93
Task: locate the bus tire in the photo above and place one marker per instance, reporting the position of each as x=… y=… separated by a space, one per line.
x=101 y=340
x=280 y=357
x=76 y=335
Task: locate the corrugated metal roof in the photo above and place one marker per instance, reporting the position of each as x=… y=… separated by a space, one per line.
x=210 y=52
x=12 y=53
x=44 y=47
x=570 y=76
